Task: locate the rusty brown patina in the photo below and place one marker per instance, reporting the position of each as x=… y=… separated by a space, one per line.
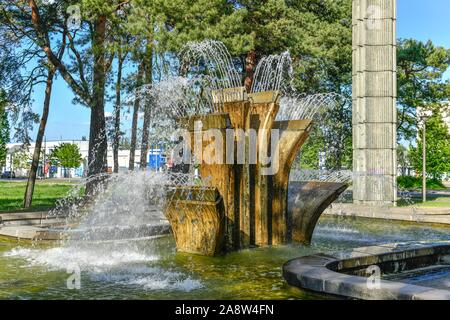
x=251 y=208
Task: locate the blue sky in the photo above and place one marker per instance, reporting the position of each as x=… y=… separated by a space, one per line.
x=419 y=19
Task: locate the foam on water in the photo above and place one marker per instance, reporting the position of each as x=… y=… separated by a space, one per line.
x=128 y=268
x=343 y=233
x=149 y=278
x=343 y=230
x=61 y=258
x=123 y=207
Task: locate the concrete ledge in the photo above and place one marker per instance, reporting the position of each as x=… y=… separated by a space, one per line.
x=29 y=233
x=33 y=218
x=40 y=225
x=32 y=233
x=425 y=215
x=341 y=277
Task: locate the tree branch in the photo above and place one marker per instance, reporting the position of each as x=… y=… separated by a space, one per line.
x=44 y=43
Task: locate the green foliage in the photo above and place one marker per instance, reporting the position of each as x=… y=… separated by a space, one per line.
x=321 y=54
x=403 y=158
x=21 y=159
x=414 y=183
x=420 y=70
x=309 y=156
x=437 y=147
x=181 y=21
x=67 y=155
x=321 y=44
x=332 y=137
x=318 y=35
x=4 y=130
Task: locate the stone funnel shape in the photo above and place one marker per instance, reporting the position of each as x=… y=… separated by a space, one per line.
x=292 y=135
x=307 y=201
x=197 y=217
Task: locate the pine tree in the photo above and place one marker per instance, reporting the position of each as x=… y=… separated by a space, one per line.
x=420 y=70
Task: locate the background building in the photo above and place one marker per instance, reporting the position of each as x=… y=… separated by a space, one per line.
x=155 y=159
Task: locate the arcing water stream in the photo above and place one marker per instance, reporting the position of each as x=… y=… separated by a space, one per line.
x=111 y=249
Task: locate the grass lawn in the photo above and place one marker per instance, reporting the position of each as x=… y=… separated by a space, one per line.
x=46 y=192
x=441 y=201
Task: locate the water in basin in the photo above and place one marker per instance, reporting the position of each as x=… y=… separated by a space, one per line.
x=149 y=268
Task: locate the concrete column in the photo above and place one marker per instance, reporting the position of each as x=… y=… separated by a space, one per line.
x=374 y=102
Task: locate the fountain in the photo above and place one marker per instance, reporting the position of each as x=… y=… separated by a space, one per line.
x=236 y=191
x=244 y=202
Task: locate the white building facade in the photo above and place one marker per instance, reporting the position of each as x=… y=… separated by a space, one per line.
x=60 y=172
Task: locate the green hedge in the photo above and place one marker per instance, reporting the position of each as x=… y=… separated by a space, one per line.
x=408 y=182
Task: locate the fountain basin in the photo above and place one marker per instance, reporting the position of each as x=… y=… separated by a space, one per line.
x=152 y=269
x=349 y=277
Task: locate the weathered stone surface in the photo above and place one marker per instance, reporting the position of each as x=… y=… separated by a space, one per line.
x=307 y=201
x=293 y=135
x=386 y=9
x=254 y=193
x=374 y=164
x=265 y=106
x=374 y=109
x=320 y=273
x=197 y=217
x=29 y=232
x=375 y=84
x=374 y=136
x=374 y=58
x=374 y=96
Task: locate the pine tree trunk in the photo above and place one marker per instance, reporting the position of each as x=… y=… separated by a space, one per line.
x=28 y=198
x=250 y=64
x=116 y=140
x=148 y=107
x=135 y=118
x=145 y=136
x=97 y=136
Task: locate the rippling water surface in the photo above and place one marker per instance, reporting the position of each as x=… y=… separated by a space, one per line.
x=151 y=269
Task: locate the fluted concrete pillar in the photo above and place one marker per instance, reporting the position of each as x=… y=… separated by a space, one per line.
x=374 y=102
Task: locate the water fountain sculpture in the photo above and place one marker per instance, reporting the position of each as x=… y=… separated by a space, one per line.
x=244 y=149
x=310 y=193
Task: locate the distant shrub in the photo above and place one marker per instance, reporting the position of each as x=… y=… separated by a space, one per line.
x=410 y=183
